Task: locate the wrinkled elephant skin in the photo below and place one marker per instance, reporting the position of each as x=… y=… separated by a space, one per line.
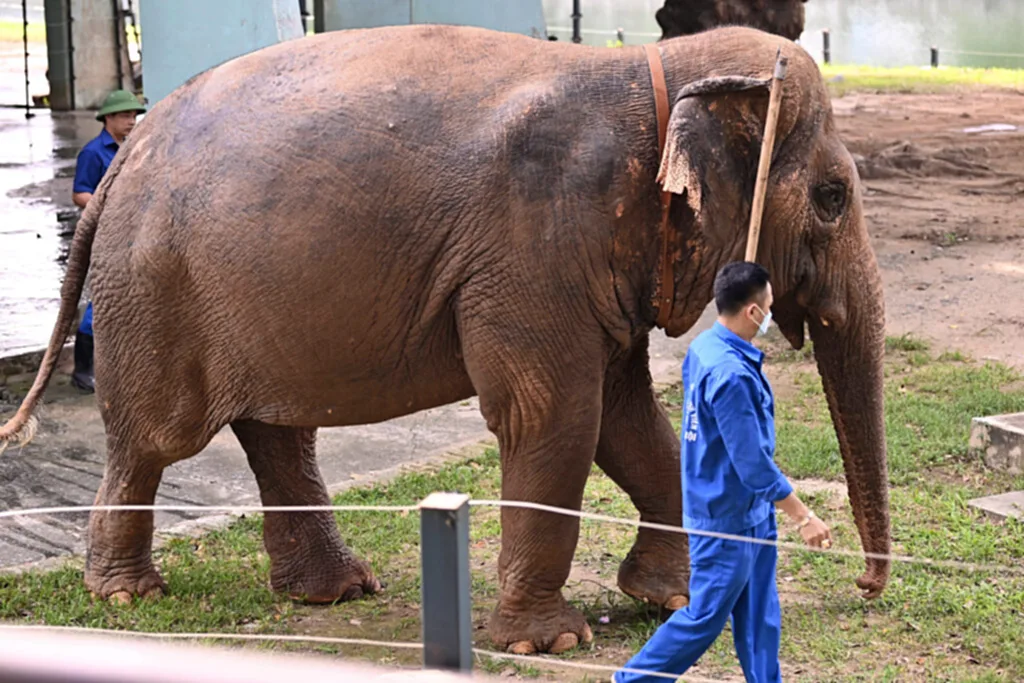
x=338 y=230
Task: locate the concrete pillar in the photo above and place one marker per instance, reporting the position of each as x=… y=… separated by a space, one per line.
x=522 y=16
x=59 y=55
x=94 y=41
x=83 y=52
x=182 y=38
x=342 y=14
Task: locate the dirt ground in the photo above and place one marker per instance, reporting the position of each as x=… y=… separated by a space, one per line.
x=944 y=209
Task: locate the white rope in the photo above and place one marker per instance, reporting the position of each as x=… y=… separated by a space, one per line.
x=982 y=54
x=327 y=640
x=28 y=512
x=533 y=659
x=949 y=564
x=217 y=636
x=603 y=32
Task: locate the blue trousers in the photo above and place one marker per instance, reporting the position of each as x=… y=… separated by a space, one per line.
x=85 y=327
x=728 y=580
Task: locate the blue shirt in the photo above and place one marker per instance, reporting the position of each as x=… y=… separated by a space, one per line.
x=93 y=162
x=730 y=480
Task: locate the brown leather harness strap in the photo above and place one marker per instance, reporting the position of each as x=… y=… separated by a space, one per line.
x=665 y=291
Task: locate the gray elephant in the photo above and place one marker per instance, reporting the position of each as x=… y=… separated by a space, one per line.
x=337 y=230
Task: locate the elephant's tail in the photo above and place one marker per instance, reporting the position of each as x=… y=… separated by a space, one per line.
x=21 y=428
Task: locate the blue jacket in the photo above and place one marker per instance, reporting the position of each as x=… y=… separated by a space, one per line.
x=93 y=161
x=730 y=480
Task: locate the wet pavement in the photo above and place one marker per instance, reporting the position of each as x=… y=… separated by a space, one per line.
x=37 y=165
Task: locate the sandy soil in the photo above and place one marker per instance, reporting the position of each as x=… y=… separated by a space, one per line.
x=945 y=213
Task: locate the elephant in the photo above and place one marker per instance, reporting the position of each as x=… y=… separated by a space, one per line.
x=337 y=231
x=685 y=17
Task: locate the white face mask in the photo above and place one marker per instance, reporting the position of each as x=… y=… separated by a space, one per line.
x=766 y=321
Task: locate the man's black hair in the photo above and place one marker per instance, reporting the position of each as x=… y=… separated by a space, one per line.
x=737 y=284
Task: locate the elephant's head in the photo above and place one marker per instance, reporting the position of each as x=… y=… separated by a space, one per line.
x=814 y=240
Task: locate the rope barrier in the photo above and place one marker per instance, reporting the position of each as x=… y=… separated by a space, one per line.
x=207 y=508
x=949 y=564
x=782 y=545
x=329 y=640
x=601 y=32
x=1015 y=55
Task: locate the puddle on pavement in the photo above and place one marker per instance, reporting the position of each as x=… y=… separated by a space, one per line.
x=37 y=158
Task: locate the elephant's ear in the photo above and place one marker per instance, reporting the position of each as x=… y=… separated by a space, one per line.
x=712 y=147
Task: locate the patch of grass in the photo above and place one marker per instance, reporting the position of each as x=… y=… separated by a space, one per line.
x=931 y=624
x=12 y=31
x=905 y=342
x=842 y=79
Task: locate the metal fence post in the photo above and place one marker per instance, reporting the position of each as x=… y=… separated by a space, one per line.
x=935 y=57
x=826 y=46
x=24 y=35
x=445 y=601
x=576 y=16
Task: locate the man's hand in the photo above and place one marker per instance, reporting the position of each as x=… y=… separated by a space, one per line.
x=816 y=533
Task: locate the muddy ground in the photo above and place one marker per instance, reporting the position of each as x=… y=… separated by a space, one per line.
x=944 y=210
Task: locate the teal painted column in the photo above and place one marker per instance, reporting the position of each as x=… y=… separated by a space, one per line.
x=182 y=38
x=520 y=16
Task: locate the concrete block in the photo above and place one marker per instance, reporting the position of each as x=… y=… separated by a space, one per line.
x=94 y=50
x=999 y=440
x=1002 y=506
x=186 y=37
x=522 y=16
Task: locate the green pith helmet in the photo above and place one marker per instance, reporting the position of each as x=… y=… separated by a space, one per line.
x=119 y=100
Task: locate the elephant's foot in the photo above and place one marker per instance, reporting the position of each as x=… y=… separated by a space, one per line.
x=121 y=584
x=553 y=626
x=315 y=579
x=656 y=579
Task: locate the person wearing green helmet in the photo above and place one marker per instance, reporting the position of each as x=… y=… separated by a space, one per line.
x=118 y=115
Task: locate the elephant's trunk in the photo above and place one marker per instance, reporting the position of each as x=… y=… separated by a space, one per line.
x=850 y=354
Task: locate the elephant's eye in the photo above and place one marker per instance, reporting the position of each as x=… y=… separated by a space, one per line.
x=830 y=200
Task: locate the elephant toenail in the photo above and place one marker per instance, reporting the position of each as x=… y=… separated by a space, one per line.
x=677 y=602
x=564 y=643
x=523 y=647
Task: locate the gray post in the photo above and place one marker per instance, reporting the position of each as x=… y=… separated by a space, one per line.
x=826 y=48
x=445 y=600
x=319 y=26
x=935 y=57
x=576 y=16
x=24 y=35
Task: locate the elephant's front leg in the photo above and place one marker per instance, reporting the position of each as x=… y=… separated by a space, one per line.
x=546 y=414
x=639 y=450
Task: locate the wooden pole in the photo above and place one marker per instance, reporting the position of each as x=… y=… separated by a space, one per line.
x=765 y=162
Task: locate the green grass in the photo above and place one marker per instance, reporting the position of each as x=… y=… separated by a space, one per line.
x=917 y=79
x=931 y=624
x=12 y=31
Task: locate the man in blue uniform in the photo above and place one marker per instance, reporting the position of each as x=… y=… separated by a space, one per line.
x=730 y=485
x=118 y=114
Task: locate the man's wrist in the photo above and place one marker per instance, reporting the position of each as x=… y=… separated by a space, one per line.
x=805 y=519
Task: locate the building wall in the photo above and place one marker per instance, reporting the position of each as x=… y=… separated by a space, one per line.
x=520 y=16
x=95 y=54
x=182 y=38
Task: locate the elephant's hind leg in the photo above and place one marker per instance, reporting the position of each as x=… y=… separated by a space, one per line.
x=309 y=561
x=118 y=560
